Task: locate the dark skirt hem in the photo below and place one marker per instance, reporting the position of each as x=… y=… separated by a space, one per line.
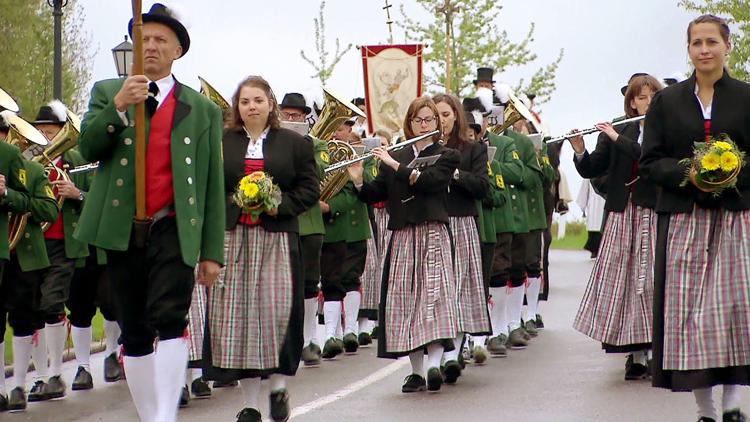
x=371 y=314
x=625 y=348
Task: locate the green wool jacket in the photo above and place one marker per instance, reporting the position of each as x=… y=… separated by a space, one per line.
x=495 y=198
x=533 y=185
x=511 y=170
x=17 y=199
x=311 y=221
x=337 y=219
x=31 y=249
x=71 y=208
x=197 y=171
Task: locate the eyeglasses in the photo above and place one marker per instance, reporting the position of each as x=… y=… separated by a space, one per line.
x=293 y=116
x=419 y=120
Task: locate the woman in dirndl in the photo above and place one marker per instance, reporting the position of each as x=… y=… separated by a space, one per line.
x=617 y=306
x=255 y=312
x=702 y=270
x=418 y=307
x=470 y=183
x=373 y=274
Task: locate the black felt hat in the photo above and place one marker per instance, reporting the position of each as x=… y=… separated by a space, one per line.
x=476 y=126
x=485 y=74
x=53 y=113
x=472 y=104
x=358 y=101
x=633 y=76
x=161 y=14
x=295 y=100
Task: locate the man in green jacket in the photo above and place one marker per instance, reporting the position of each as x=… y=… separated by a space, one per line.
x=185 y=199
x=63 y=251
x=23 y=280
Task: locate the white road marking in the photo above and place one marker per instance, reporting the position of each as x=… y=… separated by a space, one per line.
x=349 y=389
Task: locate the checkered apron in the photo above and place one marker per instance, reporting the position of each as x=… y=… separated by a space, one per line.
x=384 y=235
x=420 y=305
x=370 y=279
x=707 y=290
x=196 y=323
x=467 y=269
x=250 y=306
x=617 y=308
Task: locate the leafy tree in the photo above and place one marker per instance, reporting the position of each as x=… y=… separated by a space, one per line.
x=323 y=70
x=477 y=42
x=737 y=12
x=26 y=47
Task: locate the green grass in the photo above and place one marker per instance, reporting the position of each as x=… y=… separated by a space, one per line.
x=575 y=236
x=97 y=324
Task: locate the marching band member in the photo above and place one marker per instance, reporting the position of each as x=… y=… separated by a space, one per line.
x=418 y=306
x=311 y=232
x=702 y=294
x=63 y=251
x=469 y=184
x=617 y=306
x=256 y=315
x=26 y=189
x=152 y=286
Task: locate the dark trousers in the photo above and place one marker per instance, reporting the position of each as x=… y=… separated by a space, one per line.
x=56 y=284
x=488 y=253
x=526 y=257
x=501 y=260
x=90 y=289
x=21 y=294
x=332 y=271
x=311 y=246
x=152 y=289
x=547 y=239
x=354 y=265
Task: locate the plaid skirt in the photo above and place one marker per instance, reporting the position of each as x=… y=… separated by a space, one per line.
x=707 y=290
x=383 y=235
x=418 y=297
x=250 y=307
x=617 y=308
x=371 y=277
x=473 y=316
x=196 y=323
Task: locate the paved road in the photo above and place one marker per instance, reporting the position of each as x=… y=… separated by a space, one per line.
x=563 y=376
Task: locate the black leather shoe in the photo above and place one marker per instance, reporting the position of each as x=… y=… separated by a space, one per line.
x=112 y=369
x=413 y=383
x=705 y=419
x=55 y=387
x=184 y=397
x=311 y=355
x=434 y=379
x=279 y=405
x=636 y=371
x=3 y=403
x=364 y=339
x=375 y=331
x=230 y=384
x=17 y=400
x=83 y=380
x=331 y=349
x=733 y=416
x=452 y=371
x=351 y=344
x=38 y=392
x=249 y=415
x=200 y=389
x=539 y=322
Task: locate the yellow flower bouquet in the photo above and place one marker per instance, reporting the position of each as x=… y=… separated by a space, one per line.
x=716 y=164
x=257 y=193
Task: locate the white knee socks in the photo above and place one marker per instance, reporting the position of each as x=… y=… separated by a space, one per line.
x=276 y=382
x=533 y=287
x=82 y=345
x=417 y=362
x=453 y=354
x=141 y=376
x=56 y=336
x=2 y=366
x=730 y=399
x=332 y=317
x=705 y=402
x=21 y=354
x=434 y=355
x=251 y=390
x=365 y=325
x=39 y=355
x=499 y=311
x=311 y=321
x=112 y=334
x=352 y=302
x=171 y=361
x=515 y=303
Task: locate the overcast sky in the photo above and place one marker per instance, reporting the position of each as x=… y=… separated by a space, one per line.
x=605 y=41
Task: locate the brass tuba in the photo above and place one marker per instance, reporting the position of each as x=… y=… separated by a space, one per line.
x=28 y=139
x=513 y=111
x=65 y=140
x=335 y=112
x=212 y=94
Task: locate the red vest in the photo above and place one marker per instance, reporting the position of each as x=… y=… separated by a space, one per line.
x=159 y=189
x=57 y=230
x=252 y=165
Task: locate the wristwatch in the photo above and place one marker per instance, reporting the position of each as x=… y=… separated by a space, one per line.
x=81 y=196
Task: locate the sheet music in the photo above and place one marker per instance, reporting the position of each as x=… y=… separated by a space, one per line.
x=421 y=162
x=300 y=127
x=491 y=153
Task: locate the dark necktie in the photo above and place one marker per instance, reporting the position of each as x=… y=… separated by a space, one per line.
x=151 y=102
